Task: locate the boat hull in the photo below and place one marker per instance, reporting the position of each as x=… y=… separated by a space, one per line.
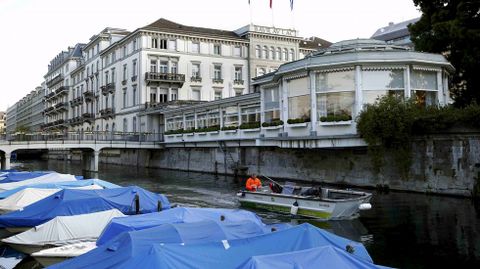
x=325 y=209
x=47 y=261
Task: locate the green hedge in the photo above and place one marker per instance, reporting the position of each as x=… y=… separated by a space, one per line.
x=250 y=125
x=275 y=122
x=208 y=129
x=228 y=128
x=298 y=120
x=391 y=123
x=335 y=118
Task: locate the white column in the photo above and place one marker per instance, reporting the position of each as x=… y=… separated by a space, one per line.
x=358 y=90
x=220 y=114
x=407 y=83
x=262 y=106
x=313 y=103
x=441 y=94
x=195 y=119
x=95 y=160
x=239 y=113
x=284 y=95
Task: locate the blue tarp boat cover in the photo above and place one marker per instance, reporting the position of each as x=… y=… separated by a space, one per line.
x=326 y=257
x=147 y=253
x=9 y=257
x=61 y=185
x=70 y=202
x=174 y=215
x=20 y=176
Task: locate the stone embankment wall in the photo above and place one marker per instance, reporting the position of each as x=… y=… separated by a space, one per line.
x=443 y=164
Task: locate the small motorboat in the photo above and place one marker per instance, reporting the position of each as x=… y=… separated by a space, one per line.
x=50 y=256
x=310 y=202
x=63 y=230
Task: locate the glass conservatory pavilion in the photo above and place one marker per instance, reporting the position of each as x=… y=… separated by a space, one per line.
x=319 y=96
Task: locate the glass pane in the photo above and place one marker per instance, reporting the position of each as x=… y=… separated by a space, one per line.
x=423 y=80
x=271 y=98
x=425 y=98
x=383 y=79
x=369 y=97
x=338 y=104
x=299 y=107
x=337 y=81
x=272 y=115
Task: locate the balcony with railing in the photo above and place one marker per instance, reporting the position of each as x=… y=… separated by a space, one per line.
x=109 y=88
x=61 y=106
x=77 y=101
x=107 y=113
x=196 y=79
x=88 y=96
x=58 y=78
x=62 y=90
x=217 y=80
x=50 y=95
x=238 y=82
x=76 y=121
x=88 y=117
x=164 y=77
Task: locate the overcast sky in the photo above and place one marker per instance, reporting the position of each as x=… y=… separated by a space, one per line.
x=34 y=32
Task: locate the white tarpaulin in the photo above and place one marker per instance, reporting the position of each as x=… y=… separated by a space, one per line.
x=48 y=178
x=29 y=196
x=66 y=229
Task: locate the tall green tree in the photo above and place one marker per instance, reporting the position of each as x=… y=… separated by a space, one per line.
x=452 y=27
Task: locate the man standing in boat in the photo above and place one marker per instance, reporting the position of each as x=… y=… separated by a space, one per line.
x=253 y=183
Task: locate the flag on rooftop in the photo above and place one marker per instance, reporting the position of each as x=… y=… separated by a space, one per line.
x=291 y=4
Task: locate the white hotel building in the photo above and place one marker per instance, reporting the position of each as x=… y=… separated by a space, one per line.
x=121 y=81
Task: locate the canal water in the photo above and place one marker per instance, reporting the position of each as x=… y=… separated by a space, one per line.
x=402 y=230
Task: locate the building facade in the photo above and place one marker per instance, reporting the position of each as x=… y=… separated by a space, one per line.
x=11 y=119
x=307 y=102
x=30 y=111
x=3 y=119
x=121 y=81
x=58 y=88
x=395 y=33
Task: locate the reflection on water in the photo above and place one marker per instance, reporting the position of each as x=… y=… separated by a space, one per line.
x=402 y=230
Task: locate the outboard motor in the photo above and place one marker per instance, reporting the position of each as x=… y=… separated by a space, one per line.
x=294 y=209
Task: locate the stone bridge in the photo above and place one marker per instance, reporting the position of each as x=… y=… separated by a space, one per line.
x=90 y=144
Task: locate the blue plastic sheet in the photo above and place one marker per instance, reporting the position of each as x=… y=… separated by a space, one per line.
x=148 y=253
x=70 y=202
x=326 y=257
x=20 y=176
x=174 y=215
x=62 y=185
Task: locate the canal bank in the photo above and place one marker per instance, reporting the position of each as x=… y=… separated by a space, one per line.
x=403 y=230
x=442 y=164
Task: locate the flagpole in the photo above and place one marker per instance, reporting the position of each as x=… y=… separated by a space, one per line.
x=251 y=16
x=271 y=9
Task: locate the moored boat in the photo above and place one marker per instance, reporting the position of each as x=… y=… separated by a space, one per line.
x=319 y=203
x=63 y=230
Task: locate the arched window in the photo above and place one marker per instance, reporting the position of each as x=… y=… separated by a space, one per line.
x=292 y=55
x=279 y=54
x=265 y=52
x=272 y=53
x=258 y=52
x=285 y=55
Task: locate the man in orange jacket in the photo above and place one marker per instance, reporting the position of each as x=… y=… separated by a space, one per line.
x=253 y=183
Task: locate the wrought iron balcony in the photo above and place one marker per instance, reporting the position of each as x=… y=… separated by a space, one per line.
x=50 y=95
x=61 y=106
x=165 y=77
x=75 y=121
x=109 y=88
x=88 y=117
x=76 y=101
x=58 y=78
x=124 y=82
x=238 y=82
x=107 y=113
x=62 y=90
x=134 y=78
x=88 y=95
x=196 y=79
x=217 y=80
